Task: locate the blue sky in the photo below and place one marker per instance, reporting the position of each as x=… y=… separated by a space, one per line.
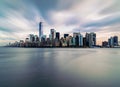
x=19 y=18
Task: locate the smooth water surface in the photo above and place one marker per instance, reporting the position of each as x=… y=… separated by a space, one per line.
x=59 y=67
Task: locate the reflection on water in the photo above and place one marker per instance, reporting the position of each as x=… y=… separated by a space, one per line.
x=20 y=67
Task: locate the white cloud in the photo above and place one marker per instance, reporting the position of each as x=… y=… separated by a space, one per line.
x=86 y=12
x=67 y=17
x=18 y=23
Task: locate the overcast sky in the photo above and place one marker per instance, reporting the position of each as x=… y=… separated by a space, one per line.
x=19 y=18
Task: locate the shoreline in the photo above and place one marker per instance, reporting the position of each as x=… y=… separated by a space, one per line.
x=61 y=47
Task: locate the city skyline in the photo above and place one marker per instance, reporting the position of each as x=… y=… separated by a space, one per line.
x=56 y=40
x=20 y=18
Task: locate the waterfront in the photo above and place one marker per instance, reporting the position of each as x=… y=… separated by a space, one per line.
x=59 y=67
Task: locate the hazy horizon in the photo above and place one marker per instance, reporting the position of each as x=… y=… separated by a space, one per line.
x=18 y=18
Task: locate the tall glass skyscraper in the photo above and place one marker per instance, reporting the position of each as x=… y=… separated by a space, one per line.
x=58 y=35
x=40 y=30
x=92 y=39
x=115 y=39
x=53 y=33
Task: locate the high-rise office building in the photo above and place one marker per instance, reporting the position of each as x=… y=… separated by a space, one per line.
x=84 y=42
x=43 y=38
x=66 y=35
x=73 y=41
x=77 y=41
x=90 y=39
x=40 y=30
x=36 y=38
x=32 y=38
x=110 y=42
x=87 y=39
x=75 y=34
x=52 y=36
x=57 y=35
x=105 y=44
x=115 y=40
x=76 y=37
x=53 y=33
x=80 y=40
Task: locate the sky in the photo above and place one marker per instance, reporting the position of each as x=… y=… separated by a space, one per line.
x=19 y=18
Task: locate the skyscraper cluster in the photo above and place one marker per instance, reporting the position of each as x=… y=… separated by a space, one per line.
x=112 y=42
x=55 y=40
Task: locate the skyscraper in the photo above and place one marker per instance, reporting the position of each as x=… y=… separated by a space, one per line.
x=53 y=36
x=53 y=33
x=58 y=35
x=40 y=30
x=92 y=39
x=36 y=38
x=87 y=39
x=32 y=38
x=80 y=40
x=110 y=42
x=115 y=40
x=76 y=37
x=66 y=35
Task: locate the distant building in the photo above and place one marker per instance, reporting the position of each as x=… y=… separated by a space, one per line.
x=52 y=36
x=92 y=39
x=27 y=40
x=115 y=40
x=40 y=30
x=76 y=39
x=32 y=38
x=43 y=38
x=54 y=40
x=80 y=40
x=57 y=35
x=84 y=42
x=21 y=43
x=36 y=38
x=66 y=35
x=75 y=34
x=53 y=33
x=87 y=39
x=73 y=41
x=105 y=44
x=70 y=41
x=110 y=42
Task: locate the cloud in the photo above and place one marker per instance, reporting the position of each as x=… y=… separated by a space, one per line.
x=19 y=18
x=107 y=21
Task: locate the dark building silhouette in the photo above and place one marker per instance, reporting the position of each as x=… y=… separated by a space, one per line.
x=77 y=40
x=115 y=40
x=84 y=42
x=90 y=39
x=58 y=35
x=105 y=44
x=66 y=35
x=87 y=39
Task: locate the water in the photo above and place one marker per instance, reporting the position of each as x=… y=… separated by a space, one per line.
x=66 y=67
